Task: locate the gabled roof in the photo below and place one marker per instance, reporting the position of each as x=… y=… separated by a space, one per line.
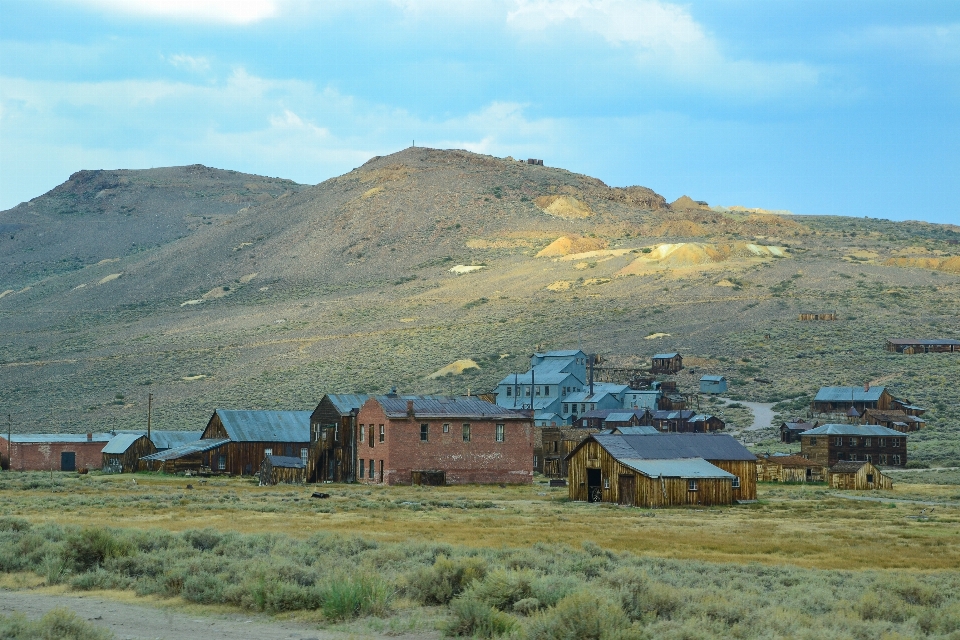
x=682 y=414
x=712 y=378
x=638 y=431
x=586 y=396
x=121 y=442
x=693 y=468
x=847 y=466
x=266 y=426
x=667 y=356
x=171 y=439
x=344 y=402
x=563 y=353
x=703 y=417
x=799 y=426
x=853 y=430
x=846 y=394
x=665 y=446
x=187 y=449
x=286 y=462
x=41 y=438
x=892 y=416
x=621 y=416
x=447 y=407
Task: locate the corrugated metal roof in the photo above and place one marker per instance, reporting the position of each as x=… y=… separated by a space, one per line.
x=266 y=426
x=847 y=466
x=564 y=353
x=585 y=396
x=121 y=442
x=663 y=446
x=712 y=378
x=286 y=462
x=799 y=426
x=926 y=343
x=693 y=468
x=548 y=377
x=846 y=394
x=621 y=416
x=701 y=417
x=187 y=449
x=661 y=356
x=685 y=414
x=344 y=402
x=853 y=430
x=447 y=407
x=638 y=431
x=171 y=439
x=42 y=438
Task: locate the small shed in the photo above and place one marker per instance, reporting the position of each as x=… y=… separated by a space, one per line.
x=788 y=468
x=667 y=363
x=194 y=457
x=282 y=470
x=705 y=423
x=857 y=475
x=713 y=384
x=790 y=431
x=122 y=454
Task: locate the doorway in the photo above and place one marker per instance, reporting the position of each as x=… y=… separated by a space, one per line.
x=627 y=489
x=594 y=485
x=68 y=461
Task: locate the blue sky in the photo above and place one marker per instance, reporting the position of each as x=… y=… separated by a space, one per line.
x=817 y=107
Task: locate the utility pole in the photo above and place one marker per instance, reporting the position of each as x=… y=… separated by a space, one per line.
x=149 y=413
x=9 y=442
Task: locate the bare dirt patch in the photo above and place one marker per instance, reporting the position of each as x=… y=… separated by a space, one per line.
x=566 y=207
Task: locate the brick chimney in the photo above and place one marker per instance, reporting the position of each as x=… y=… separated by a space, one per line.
x=409 y=408
x=89 y=437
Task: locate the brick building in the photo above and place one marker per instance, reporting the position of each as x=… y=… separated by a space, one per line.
x=440 y=440
x=829 y=444
x=53 y=451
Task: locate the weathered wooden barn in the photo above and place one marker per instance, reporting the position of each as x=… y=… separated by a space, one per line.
x=666 y=363
x=282 y=470
x=706 y=423
x=713 y=384
x=672 y=421
x=841 y=399
x=253 y=435
x=558 y=442
x=53 y=451
x=124 y=452
x=332 y=438
x=790 y=431
x=807 y=316
x=662 y=470
x=467 y=439
x=907 y=407
x=910 y=346
x=894 y=419
x=194 y=457
x=857 y=475
x=788 y=468
x=829 y=444
x=672 y=401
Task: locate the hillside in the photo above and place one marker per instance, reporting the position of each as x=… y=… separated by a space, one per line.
x=212 y=288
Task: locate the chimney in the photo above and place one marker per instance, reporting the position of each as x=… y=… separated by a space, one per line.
x=866 y=387
x=89 y=437
x=409 y=408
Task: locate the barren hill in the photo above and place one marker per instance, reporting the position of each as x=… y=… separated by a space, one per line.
x=212 y=288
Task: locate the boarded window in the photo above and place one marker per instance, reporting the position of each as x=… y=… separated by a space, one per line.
x=500 y=432
x=466 y=432
x=424 y=432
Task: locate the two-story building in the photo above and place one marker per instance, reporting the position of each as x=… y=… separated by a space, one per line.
x=832 y=443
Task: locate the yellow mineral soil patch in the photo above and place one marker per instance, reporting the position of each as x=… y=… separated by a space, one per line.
x=600 y=255
x=408 y=319
x=680 y=229
x=690 y=254
x=455 y=368
x=560 y=285
x=654 y=336
x=190 y=302
x=108 y=260
x=197 y=377
x=861 y=254
x=369 y=193
x=390 y=173
x=580 y=266
x=567 y=245
x=247 y=278
x=725 y=283
x=110 y=278
x=216 y=292
x=950 y=265
x=461 y=269
x=6 y=293
x=566 y=207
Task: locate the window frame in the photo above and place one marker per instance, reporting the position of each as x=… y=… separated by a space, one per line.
x=304 y=455
x=466 y=431
x=267 y=451
x=692 y=485
x=361 y=438
x=735 y=483
x=383 y=433
x=500 y=432
x=424 y=432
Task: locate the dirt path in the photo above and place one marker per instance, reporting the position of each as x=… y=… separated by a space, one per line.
x=927 y=503
x=136 y=622
x=762 y=413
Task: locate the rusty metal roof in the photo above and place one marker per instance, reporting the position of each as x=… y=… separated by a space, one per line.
x=187 y=449
x=847 y=466
x=925 y=343
x=447 y=407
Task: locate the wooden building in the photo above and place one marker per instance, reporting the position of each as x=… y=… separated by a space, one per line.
x=899 y=345
x=790 y=431
x=332 y=431
x=666 y=363
x=282 y=470
x=469 y=440
x=662 y=470
x=806 y=316
x=829 y=444
x=164 y=440
x=53 y=451
x=705 y=423
x=122 y=454
x=253 y=435
x=857 y=475
x=641 y=430
x=842 y=399
x=894 y=419
x=789 y=468
x=558 y=442
x=672 y=421
x=195 y=457
x=907 y=407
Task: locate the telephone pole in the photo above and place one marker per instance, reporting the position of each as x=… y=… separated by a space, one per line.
x=149 y=413
x=9 y=442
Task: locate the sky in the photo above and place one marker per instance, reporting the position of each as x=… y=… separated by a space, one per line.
x=812 y=106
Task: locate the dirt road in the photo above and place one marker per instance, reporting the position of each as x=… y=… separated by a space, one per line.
x=142 y=622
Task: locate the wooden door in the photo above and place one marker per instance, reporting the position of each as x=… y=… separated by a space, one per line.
x=627 y=489
x=68 y=461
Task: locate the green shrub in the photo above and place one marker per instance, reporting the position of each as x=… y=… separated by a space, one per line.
x=445 y=580
x=470 y=618
x=203 y=588
x=89 y=548
x=99 y=579
x=502 y=589
x=58 y=624
x=580 y=616
x=351 y=597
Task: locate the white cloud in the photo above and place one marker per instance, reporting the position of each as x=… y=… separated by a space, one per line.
x=666 y=41
x=239 y=12
x=190 y=63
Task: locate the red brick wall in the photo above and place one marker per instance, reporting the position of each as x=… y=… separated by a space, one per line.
x=46 y=455
x=482 y=460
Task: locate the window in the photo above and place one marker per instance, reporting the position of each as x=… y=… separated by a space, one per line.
x=853 y=442
x=583 y=408
x=371 y=435
x=267 y=452
x=534 y=462
x=606 y=483
x=691 y=485
x=424 y=432
x=839 y=442
x=883 y=442
x=869 y=477
x=869 y=459
x=526 y=391
x=288 y=450
x=896 y=460
x=538 y=390
x=593 y=406
x=546 y=390
x=446 y=427
x=383 y=434
x=896 y=443
x=304 y=454
x=867 y=442
x=499 y=435
x=336 y=432
x=221 y=462
x=466 y=432
x=361 y=430
x=566 y=408
x=509 y=391
x=361 y=468
x=883 y=458
x=813 y=440
x=370 y=475
x=735 y=483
